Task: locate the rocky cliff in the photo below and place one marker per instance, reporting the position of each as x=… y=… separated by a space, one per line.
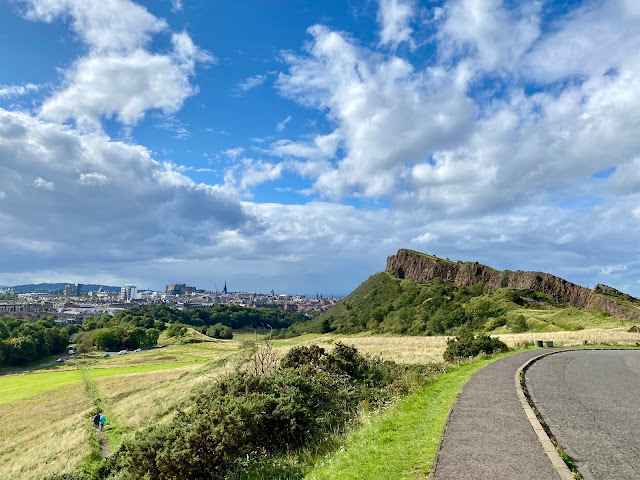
x=421 y=268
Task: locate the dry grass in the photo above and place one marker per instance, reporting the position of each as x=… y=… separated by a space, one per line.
x=422 y=350
x=598 y=336
x=46 y=433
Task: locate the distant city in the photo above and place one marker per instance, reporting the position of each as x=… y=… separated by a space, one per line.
x=71 y=303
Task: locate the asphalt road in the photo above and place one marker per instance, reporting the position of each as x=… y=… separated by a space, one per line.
x=591 y=402
x=488 y=435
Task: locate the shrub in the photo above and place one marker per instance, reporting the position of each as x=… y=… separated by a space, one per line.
x=467 y=345
x=518 y=324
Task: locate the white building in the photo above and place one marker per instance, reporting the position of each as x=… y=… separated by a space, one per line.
x=129 y=292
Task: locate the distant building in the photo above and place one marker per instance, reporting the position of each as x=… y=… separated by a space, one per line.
x=224 y=290
x=129 y=292
x=179 y=289
x=73 y=290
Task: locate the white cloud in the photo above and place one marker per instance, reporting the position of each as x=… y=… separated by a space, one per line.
x=255 y=172
x=487 y=32
x=394 y=17
x=148 y=211
x=2 y=195
x=425 y=238
x=42 y=184
x=107 y=26
x=234 y=152
x=251 y=82
x=93 y=179
x=176 y=5
x=119 y=76
x=17 y=90
x=281 y=126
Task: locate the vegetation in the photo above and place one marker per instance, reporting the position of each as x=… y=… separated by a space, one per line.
x=140 y=327
x=385 y=304
x=23 y=342
x=245 y=423
x=401 y=442
x=469 y=346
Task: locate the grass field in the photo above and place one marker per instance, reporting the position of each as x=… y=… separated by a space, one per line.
x=45 y=415
x=45 y=423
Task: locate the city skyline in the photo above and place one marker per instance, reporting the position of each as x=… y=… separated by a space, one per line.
x=294 y=145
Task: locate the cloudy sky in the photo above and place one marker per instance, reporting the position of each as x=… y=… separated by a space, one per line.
x=293 y=145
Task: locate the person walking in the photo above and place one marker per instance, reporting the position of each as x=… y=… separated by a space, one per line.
x=103 y=420
x=96 y=420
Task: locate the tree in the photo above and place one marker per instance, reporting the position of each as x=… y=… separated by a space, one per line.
x=220 y=331
x=22 y=351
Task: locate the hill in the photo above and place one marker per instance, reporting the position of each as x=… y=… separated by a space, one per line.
x=421 y=294
x=421 y=267
x=59 y=288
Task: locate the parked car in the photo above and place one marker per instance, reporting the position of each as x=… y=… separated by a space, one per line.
x=59 y=360
x=138 y=350
x=106 y=355
x=122 y=352
x=72 y=351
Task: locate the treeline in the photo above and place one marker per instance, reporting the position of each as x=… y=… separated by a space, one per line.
x=141 y=326
x=385 y=304
x=23 y=341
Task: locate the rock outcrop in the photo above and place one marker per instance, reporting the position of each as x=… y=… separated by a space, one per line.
x=422 y=268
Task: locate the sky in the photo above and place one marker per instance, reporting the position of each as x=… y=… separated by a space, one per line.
x=293 y=145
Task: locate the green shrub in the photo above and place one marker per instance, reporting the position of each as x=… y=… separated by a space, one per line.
x=236 y=425
x=467 y=345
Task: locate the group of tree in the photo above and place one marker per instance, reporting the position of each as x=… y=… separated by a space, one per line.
x=140 y=327
x=23 y=341
x=388 y=305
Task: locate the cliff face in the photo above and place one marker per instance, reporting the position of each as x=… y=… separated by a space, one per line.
x=423 y=268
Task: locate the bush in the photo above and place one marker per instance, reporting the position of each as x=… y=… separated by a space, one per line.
x=466 y=346
x=518 y=324
x=220 y=331
x=237 y=423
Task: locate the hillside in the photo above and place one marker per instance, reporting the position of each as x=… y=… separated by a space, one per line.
x=58 y=288
x=422 y=268
x=421 y=294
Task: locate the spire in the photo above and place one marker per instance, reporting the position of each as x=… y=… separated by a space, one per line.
x=225 y=287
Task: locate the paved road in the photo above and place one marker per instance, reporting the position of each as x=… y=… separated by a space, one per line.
x=489 y=435
x=591 y=400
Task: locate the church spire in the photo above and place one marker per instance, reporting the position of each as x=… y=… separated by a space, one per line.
x=224 y=290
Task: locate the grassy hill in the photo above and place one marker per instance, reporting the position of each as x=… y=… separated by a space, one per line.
x=384 y=304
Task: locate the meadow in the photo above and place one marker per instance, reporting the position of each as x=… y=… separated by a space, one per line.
x=45 y=415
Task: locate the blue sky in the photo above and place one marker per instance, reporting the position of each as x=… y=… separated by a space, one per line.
x=294 y=145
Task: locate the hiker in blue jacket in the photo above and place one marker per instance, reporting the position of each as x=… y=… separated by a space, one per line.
x=103 y=420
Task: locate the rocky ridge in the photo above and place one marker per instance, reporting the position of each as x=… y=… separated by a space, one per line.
x=422 y=268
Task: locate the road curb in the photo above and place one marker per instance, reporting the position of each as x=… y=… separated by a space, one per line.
x=545 y=441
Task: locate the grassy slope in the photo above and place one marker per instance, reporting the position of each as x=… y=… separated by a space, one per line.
x=384 y=290
x=401 y=443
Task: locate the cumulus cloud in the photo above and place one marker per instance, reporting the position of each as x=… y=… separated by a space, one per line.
x=143 y=210
x=119 y=76
x=394 y=17
x=93 y=179
x=42 y=184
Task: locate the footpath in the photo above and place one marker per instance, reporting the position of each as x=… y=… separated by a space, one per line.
x=488 y=435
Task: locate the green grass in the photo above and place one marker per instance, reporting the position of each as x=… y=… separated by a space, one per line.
x=400 y=443
x=18 y=387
